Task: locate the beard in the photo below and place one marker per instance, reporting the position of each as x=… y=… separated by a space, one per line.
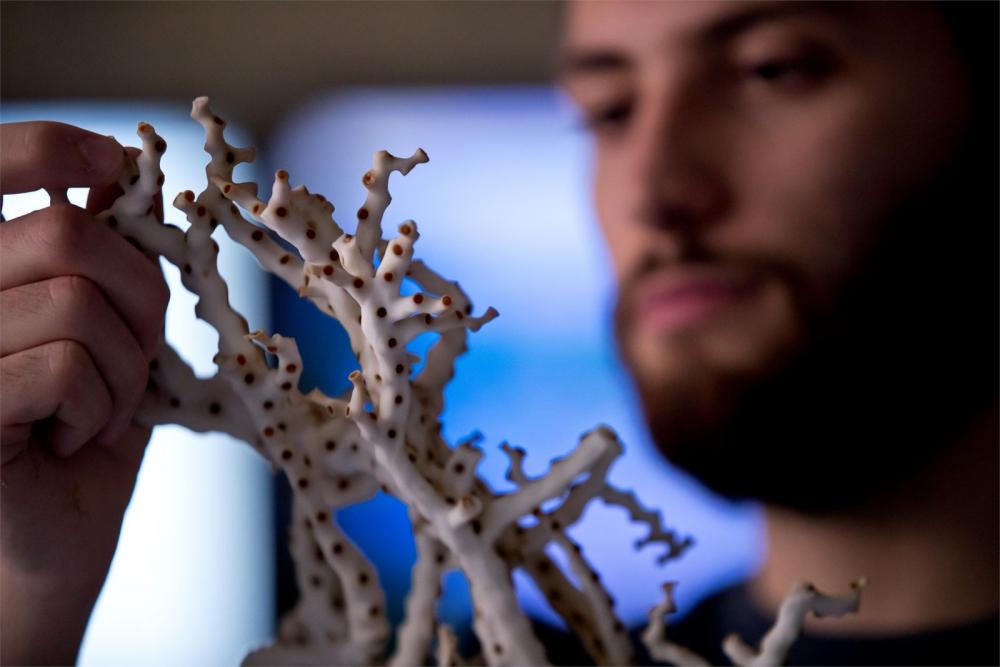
x=872 y=388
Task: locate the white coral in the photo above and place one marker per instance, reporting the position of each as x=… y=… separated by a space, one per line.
x=384 y=434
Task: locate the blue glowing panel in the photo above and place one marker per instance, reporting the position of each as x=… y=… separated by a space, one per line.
x=192 y=580
x=504 y=205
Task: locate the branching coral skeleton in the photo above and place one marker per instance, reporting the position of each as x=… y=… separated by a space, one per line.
x=385 y=434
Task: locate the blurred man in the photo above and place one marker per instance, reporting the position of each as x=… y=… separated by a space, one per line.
x=800 y=204
x=800 y=201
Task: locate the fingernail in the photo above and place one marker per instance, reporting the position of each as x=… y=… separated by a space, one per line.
x=101 y=154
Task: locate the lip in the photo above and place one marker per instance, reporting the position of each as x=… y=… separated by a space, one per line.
x=678 y=299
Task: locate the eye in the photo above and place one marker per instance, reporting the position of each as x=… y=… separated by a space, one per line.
x=785 y=72
x=773 y=70
x=608 y=118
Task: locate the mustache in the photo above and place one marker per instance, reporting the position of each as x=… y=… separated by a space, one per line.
x=655 y=263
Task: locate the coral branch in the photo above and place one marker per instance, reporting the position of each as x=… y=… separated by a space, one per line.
x=413 y=640
x=676 y=546
x=447 y=653
x=608 y=644
x=802 y=599
x=174 y=395
x=654 y=636
x=385 y=434
x=505 y=510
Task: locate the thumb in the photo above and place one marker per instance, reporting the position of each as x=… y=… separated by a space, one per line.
x=44 y=154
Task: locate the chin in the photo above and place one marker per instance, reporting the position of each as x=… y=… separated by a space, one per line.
x=696 y=376
x=755 y=409
x=809 y=425
x=692 y=383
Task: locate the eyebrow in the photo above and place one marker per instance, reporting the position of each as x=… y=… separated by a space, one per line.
x=574 y=61
x=729 y=26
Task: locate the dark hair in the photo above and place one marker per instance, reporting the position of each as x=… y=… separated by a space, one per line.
x=976 y=30
x=975 y=27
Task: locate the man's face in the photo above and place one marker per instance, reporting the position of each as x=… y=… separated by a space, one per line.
x=749 y=159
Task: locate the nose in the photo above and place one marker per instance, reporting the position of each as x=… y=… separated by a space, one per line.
x=676 y=161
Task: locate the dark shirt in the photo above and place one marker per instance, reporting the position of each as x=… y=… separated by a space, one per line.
x=731 y=610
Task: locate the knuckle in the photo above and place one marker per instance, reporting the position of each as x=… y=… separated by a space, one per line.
x=74 y=295
x=75 y=378
x=74 y=303
x=43 y=135
x=69 y=363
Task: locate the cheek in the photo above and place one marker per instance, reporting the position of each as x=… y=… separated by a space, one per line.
x=611 y=206
x=825 y=176
x=820 y=194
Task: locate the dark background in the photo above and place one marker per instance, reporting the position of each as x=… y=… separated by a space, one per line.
x=263 y=57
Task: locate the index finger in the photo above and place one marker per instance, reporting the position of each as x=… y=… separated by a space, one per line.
x=64 y=241
x=46 y=154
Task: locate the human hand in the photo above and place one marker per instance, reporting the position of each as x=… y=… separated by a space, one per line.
x=82 y=314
